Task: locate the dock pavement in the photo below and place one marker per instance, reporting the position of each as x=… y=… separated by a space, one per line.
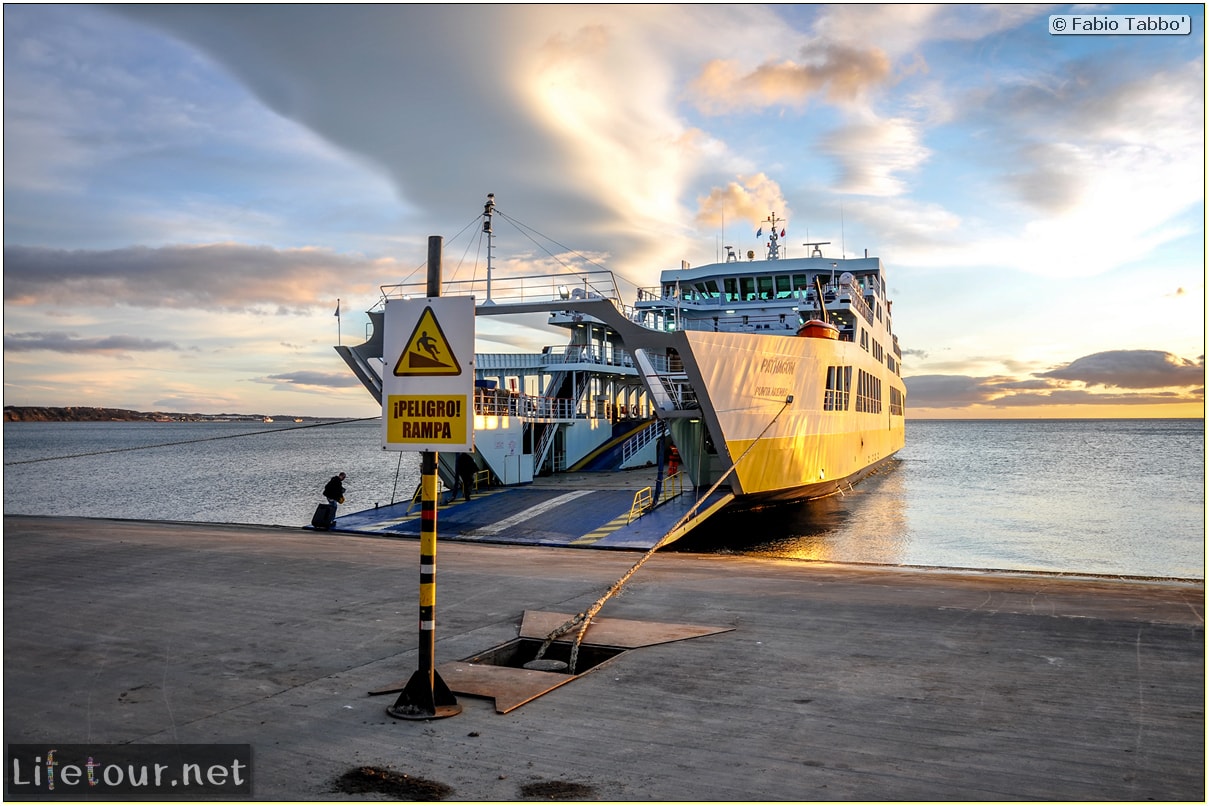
x=816 y=681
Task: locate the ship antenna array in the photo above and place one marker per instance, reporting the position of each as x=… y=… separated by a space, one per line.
x=816 y=252
x=488 y=211
x=584 y=619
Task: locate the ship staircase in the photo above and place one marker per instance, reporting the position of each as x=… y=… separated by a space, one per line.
x=669 y=383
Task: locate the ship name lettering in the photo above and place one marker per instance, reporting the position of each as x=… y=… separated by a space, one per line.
x=778 y=366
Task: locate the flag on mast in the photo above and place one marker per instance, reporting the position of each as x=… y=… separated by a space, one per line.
x=337 y=313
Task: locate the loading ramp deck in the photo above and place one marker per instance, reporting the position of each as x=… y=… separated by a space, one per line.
x=582 y=510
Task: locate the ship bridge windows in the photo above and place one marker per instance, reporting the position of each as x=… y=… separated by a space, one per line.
x=765 y=285
x=707 y=290
x=730 y=287
x=784 y=287
x=747 y=288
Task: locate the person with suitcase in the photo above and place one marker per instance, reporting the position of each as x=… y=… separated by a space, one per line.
x=333 y=491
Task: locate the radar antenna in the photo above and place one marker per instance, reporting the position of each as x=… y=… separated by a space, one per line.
x=816 y=252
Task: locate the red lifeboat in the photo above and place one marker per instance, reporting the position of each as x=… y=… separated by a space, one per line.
x=818 y=329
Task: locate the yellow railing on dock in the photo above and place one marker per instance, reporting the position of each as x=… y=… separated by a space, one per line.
x=642 y=503
x=673 y=485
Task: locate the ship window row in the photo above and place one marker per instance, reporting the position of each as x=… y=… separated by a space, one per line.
x=896 y=401
x=743 y=289
x=868 y=393
x=839 y=385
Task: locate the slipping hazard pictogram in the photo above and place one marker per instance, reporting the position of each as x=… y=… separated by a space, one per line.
x=427 y=351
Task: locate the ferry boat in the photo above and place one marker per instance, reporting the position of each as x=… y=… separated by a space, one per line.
x=777 y=377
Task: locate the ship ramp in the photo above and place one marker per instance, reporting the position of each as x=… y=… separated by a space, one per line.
x=581 y=510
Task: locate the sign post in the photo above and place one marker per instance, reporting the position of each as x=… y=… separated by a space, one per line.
x=426 y=407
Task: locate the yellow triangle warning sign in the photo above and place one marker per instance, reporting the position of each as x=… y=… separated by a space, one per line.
x=427 y=350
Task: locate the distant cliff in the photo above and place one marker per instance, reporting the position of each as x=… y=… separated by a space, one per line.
x=69 y=414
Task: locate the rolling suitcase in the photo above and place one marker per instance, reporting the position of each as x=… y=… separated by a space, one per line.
x=325 y=516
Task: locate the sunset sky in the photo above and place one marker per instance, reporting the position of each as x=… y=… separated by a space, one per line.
x=189 y=189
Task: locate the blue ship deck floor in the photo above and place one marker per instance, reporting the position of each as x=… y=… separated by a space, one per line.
x=578 y=511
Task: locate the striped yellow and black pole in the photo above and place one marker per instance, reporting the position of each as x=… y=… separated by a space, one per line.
x=426 y=696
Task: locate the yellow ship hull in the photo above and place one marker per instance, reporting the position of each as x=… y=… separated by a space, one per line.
x=799 y=449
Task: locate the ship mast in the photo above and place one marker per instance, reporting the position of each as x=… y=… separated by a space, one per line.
x=774 y=249
x=488 y=211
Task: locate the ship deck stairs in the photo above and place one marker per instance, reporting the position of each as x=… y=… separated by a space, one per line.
x=580 y=510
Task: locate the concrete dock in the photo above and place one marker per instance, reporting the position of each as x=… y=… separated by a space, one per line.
x=820 y=681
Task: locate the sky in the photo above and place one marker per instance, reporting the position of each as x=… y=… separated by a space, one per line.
x=189 y=189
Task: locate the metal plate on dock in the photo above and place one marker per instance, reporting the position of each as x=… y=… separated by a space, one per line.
x=512 y=687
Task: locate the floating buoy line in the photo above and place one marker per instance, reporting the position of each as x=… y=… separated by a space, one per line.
x=186 y=441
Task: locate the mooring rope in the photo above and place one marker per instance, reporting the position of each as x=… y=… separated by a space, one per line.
x=584 y=619
x=184 y=442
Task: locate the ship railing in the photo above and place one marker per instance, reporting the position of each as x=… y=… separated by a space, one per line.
x=664 y=363
x=515 y=289
x=554 y=356
x=585 y=354
x=501 y=403
x=544 y=444
x=640 y=440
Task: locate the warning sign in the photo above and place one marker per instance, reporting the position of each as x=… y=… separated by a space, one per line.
x=427 y=419
x=428 y=351
x=428 y=396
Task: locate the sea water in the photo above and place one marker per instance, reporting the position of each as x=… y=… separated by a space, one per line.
x=1113 y=497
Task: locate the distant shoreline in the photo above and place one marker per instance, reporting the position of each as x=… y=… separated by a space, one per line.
x=96 y=414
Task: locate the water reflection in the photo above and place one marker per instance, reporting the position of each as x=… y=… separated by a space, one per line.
x=867 y=524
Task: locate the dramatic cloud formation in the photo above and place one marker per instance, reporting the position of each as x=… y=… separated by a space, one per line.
x=1132 y=369
x=217 y=276
x=1175 y=380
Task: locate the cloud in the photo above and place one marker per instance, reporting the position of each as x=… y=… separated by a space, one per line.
x=1131 y=369
x=570 y=109
x=962 y=391
x=901 y=29
x=841 y=73
x=73 y=343
x=218 y=276
x=312 y=378
x=1121 y=369
x=872 y=152
x=749 y=199
x=949 y=391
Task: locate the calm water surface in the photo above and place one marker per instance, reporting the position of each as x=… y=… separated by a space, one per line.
x=1092 y=496
x=1120 y=497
